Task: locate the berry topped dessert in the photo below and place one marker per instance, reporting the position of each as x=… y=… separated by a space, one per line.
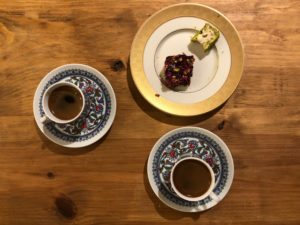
x=178 y=70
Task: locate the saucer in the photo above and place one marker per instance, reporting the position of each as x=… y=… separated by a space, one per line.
x=102 y=106
x=186 y=142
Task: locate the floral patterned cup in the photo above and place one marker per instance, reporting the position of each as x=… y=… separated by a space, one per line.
x=48 y=116
x=209 y=191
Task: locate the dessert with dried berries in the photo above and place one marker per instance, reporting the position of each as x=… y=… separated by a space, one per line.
x=178 y=71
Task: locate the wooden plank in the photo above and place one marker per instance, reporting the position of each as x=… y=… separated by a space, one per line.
x=106 y=183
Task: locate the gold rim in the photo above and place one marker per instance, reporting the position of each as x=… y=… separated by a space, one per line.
x=188 y=10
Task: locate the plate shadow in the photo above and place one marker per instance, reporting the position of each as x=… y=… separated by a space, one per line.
x=160 y=115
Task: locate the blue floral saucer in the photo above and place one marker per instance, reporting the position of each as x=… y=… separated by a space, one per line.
x=101 y=100
x=186 y=142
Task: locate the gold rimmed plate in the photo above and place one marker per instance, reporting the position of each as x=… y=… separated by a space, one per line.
x=216 y=74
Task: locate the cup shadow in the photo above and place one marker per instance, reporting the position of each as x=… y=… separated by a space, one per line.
x=162 y=209
x=160 y=115
x=57 y=149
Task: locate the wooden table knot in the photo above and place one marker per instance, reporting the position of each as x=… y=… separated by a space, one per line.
x=117 y=65
x=65 y=206
x=50 y=175
x=221 y=125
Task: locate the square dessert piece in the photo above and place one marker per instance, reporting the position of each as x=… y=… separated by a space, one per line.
x=178 y=70
x=207 y=36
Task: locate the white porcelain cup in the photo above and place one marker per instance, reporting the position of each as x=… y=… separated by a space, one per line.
x=209 y=191
x=48 y=116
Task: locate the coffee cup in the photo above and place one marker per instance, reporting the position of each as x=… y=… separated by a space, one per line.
x=63 y=103
x=193 y=179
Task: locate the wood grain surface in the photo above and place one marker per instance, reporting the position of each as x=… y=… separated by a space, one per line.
x=106 y=183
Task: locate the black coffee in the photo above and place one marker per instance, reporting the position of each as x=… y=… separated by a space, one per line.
x=191 y=178
x=65 y=102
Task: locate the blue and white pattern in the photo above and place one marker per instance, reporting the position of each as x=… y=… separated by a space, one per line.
x=185 y=144
x=99 y=100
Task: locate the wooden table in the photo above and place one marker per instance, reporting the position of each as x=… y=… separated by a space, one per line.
x=106 y=183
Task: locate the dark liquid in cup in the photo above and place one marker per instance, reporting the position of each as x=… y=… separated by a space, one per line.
x=191 y=178
x=65 y=102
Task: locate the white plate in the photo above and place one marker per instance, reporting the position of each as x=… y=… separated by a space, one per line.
x=174 y=37
x=102 y=101
x=184 y=142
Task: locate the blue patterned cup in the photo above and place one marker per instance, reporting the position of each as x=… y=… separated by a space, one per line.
x=209 y=191
x=49 y=116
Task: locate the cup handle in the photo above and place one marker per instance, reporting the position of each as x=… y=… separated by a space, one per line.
x=214 y=197
x=44 y=119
